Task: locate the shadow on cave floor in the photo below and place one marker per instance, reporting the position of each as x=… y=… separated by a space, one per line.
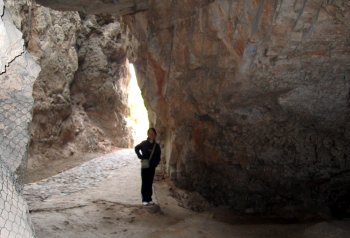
x=101 y=198
x=51 y=167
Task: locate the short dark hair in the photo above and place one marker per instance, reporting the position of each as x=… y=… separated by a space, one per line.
x=152 y=129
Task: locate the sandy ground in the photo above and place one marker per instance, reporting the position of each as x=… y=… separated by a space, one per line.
x=101 y=199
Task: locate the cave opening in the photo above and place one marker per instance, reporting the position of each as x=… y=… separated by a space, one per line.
x=138 y=116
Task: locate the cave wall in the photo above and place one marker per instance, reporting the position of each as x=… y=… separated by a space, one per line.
x=18 y=70
x=119 y=7
x=100 y=86
x=251 y=98
x=83 y=69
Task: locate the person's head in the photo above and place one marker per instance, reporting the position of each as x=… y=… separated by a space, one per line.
x=151 y=133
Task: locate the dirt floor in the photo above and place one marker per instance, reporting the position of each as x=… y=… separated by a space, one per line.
x=101 y=198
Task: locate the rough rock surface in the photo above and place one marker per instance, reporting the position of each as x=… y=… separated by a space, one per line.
x=101 y=83
x=66 y=122
x=52 y=40
x=98 y=6
x=251 y=98
x=11 y=40
x=18 y=71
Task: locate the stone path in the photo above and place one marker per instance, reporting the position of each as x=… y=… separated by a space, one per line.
x=122 y=166
x=101 y=199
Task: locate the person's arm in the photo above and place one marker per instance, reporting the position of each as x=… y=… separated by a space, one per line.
x=138 y=148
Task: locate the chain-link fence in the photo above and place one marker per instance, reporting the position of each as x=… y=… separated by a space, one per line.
x=16 y=103
x=14 y=220
x=18 y=72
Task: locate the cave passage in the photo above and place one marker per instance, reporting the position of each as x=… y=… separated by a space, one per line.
x=138 y=117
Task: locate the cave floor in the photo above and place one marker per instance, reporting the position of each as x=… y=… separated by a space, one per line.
x=101 y=198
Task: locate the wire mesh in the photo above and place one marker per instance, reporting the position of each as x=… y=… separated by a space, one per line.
x=16 y=102
x=14 y=220
x=15 y=115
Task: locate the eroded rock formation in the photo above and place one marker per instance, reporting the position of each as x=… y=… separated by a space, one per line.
x=121 y=7
x=101 y=83
x=80 y=94
x=251 y=98
x=18 y=73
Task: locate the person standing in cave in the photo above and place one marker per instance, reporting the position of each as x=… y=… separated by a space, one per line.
x=148 y=152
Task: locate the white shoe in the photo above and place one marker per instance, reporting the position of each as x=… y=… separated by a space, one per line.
x=151 y=203
x=145 y=203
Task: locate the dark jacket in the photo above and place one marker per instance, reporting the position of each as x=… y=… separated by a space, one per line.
x=144 y=150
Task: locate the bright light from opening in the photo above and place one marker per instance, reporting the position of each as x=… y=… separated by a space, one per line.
x=138 y=118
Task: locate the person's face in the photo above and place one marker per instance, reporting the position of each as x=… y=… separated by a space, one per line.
x=151 y=134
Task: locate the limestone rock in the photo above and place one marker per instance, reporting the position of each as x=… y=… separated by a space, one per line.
x=18 y=72
x=252 y=99
x=98 y=6
x=16 y=101
x=64 y=124
x=10 y=38
x=101 y=82
x=52 y=40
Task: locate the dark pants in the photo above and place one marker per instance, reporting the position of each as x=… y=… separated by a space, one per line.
x=147 y=176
